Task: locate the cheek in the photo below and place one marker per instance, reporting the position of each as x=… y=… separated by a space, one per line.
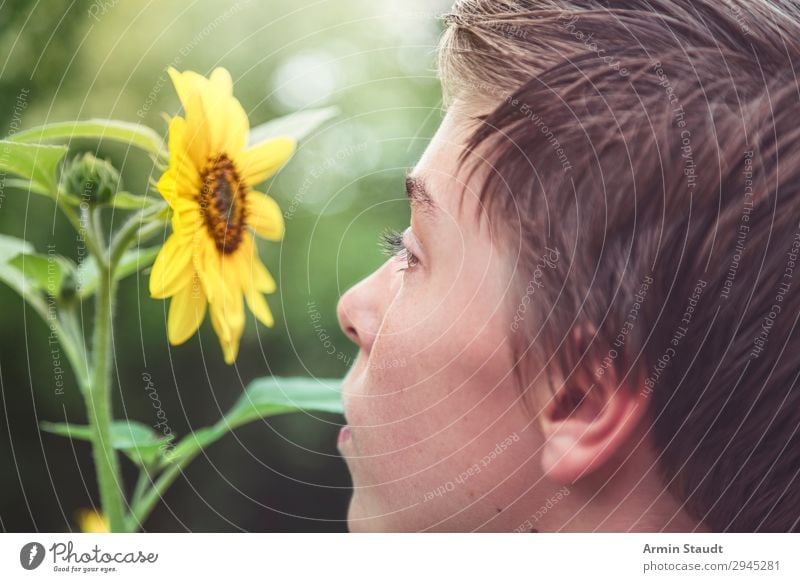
x=434 y=373
x=444 y=453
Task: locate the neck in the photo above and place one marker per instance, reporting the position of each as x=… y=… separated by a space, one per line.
x=629 y=496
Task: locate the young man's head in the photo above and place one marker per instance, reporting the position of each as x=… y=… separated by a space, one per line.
x=591 y=323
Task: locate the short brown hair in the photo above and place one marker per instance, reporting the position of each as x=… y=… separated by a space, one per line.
x=656 y=144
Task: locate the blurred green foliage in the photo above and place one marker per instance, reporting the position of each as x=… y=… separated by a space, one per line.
x=64 y=60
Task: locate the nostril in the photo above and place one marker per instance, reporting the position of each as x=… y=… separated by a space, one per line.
x=343 y=312
x=351 y=333
x=358 y=311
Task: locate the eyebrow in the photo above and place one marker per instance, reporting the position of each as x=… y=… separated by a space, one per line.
x=418 y=193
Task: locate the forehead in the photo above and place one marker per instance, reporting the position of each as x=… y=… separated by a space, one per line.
x=437 y=174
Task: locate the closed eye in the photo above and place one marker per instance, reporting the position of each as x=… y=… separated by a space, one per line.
x=392 y=244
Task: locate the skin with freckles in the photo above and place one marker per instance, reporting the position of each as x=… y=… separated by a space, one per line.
x=448 y=441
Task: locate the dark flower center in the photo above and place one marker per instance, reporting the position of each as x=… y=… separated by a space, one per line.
x=222 y=203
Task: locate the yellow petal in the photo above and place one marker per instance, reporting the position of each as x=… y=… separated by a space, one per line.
x=243 y=261
x=264 y=215
x=215 y=119
x=186 y=217
x=228 y=338
x=262 y=278
x=177 y=136
x=258 y=305
x=258 y=276
x=168 y=187
x=188 y=85
x=250 y=272
x=208 y=264
x=221 y=79
x=227 y=310
x=253 y=273
x=229 y=301
x=221 y=327
x=237 y=126
x=172 y=270
x=182 y=168
x=260 y=162
x=190 y=88
x=186 y=312
x=179 y=184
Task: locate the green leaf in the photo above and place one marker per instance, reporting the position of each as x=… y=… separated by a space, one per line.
x=263 y=398
x=140 y=443
x=128 y=201
x=45 y=272
x=195 y=441
x=38 y=163
x=297 y=125
x=11 y=246
x=134 y=134
x=270 y=396
x=27 y=186
x=88 y=276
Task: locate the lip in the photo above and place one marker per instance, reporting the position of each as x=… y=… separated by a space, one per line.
x=344 y=434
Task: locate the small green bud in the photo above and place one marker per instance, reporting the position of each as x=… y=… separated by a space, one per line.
x=90 y=180
x=69 y=288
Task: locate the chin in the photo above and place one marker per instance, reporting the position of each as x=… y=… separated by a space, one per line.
x=358 y=521
x=366 y=517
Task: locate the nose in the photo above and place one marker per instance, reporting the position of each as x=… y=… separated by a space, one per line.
x=362 y=307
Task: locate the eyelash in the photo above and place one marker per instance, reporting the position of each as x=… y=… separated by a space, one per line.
x=392 y=245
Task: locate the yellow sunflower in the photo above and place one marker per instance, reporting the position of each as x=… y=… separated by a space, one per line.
x=211 y=258
x=91 y=521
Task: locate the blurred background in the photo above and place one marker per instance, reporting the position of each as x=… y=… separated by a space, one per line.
x=63 y=60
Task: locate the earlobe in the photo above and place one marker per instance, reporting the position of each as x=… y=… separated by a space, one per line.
x=589 y=421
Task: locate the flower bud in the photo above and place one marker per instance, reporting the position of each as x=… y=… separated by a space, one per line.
x=69 y=289
x=90 y=179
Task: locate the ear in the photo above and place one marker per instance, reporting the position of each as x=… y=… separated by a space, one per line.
x=590 y=418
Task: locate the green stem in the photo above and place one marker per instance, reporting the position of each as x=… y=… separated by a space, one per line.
x=142 y=507
x=138 y=224
x=94 y=216
x=71 y=339
x=141 y=486
x=98 y=404
x=81 y=227
x=96 y=384
x=149 y=230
